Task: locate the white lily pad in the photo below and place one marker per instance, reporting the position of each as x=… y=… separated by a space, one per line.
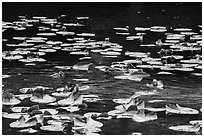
x=82 y=88
x=56 y=122
x=88 y=123
x=156 y=100
x=56 y=127
x=46 y=99
x=121 y=100
x=196 y=122
x=28 y=130
x=91 y=99
x=22 y=123
x=61 y=94
x=11 y=102
x=52 y=111
x=185 y=128
x=115 y=112
x=89 y=114
x=18 y=109
x=23 y=96
x=91 y=96
x=136 y=133
x=71 y=108
x=81 y=79
x=25 y=90
x=180 y=110
x=155 y=109
x=61 y=117
x=14 y=115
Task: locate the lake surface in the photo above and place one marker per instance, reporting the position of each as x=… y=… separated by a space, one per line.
x=182 y=88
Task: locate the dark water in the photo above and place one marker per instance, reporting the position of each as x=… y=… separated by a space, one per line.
x=181 y=88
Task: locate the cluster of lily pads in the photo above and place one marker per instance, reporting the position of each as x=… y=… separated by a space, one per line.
x=60 y=109
x=62 y=105
x=178 y=42
x=135 y=109
x=29 y=49
x=66 y=101
x=61 y=116
x=180 y=51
